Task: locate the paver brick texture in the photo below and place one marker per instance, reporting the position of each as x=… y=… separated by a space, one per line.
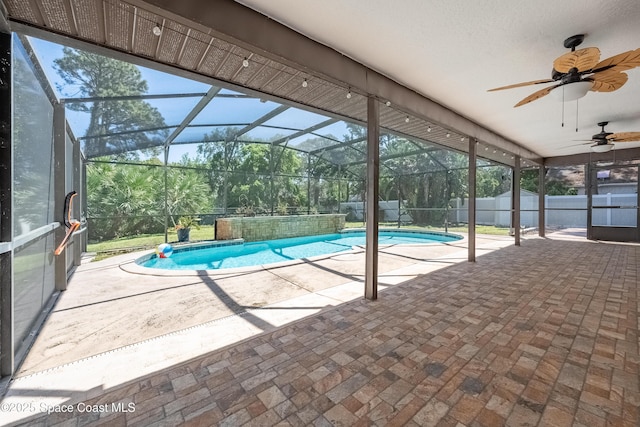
x=545 y=334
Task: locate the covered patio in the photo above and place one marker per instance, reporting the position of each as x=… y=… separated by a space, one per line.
x=527 y=329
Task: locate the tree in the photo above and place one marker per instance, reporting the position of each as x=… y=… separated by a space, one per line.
x=187 y=191
x=95 y=76
x=427 y=178
x=559 y=188
x=553 y=187
x=529 y=180
x=256 y=176
x=334 y=170
x=126 y=200
x=491 y=181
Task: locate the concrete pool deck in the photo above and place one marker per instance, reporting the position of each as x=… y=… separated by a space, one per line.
x=115 y=303
x=115 y=325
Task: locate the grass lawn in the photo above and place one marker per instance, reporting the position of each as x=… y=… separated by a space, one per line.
x=146 y=241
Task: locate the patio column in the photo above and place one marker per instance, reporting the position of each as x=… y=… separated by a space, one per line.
x=472 y=200
x=541 y=201
x=515 y=200
x=373 y=172
x=59 y=190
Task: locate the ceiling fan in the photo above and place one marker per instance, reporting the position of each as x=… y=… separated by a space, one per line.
x=580 y=71
x=604 y=141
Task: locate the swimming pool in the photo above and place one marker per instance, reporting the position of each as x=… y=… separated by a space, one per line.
x=238 y=254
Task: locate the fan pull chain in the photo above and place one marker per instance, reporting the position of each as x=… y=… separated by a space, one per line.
x=563 y=106
x=576 y=115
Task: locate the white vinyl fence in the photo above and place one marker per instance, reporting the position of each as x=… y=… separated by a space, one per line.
x=388 y=211
x=625 y=217
x=561 y=211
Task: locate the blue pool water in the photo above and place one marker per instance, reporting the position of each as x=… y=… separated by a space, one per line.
x=272 y=251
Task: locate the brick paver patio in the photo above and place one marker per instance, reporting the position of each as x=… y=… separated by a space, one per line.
x=545 y=334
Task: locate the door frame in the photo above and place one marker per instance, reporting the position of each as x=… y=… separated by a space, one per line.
x=610 y=233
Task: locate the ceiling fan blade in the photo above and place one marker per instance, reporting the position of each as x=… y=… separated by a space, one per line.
x=582 y=59
x=624 y=137
x=534 y=82
x=608 y=81
x=620 y=62
x=587 y=142
x=536 y=95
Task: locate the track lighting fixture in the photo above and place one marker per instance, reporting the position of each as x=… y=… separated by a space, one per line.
x=388 y=103
x=305 y=83
x=406 y=120
x=429 y=128
x=245 y=62
x=448 y=134
x=157 y=30
x=349 y=94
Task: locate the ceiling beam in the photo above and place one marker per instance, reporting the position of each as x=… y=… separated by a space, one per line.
x=584 y=158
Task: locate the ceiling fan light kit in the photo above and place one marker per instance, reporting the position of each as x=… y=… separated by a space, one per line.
x=603 y=148
x=572 y=91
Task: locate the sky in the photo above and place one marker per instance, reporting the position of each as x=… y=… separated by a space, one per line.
x=219 y=111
